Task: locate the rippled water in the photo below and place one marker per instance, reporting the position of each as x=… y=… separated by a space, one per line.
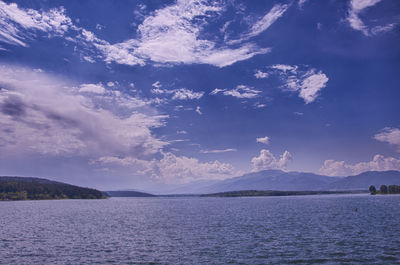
x=262 y=230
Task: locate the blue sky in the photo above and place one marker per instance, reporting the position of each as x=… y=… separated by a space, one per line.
x=129 y=94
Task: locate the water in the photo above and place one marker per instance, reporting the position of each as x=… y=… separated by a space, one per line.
x=258 y=230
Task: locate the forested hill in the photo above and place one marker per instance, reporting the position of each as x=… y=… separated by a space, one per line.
x=20 y=188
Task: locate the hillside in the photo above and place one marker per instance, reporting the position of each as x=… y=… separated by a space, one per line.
x=20 y=188
x=366 y=179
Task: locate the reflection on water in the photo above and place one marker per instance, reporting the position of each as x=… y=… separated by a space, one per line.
x=262 y=230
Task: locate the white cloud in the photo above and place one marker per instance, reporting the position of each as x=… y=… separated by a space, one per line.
x=110 y=84
x=259 y=74
x=302 y=2
x=260 y=26
x=172 y=168
x=389 y=135
x=263 y=140
x=92 y=88
x=42 y=114
x=181 y=132
x=341 y=168
x=381 y=29
x=157 y=84
x=177 y=94
x=184 y=94
x=307 y=82
x=264 y=23
x=217 y=151
x=266 y=160
x=14 y=22
x=171 y=35
x=259 y=105
x=311 y=85
x=285 y=68
x=357 y=7
x=241 y=91
x=198 y=110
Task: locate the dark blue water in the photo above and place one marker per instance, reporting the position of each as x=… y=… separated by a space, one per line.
x=262 y=230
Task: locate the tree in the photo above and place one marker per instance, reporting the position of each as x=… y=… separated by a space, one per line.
x=383 y=189
x=372 y=189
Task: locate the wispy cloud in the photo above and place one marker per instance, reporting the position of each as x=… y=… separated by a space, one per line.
x=389 y=135
x=92 y=88
x=15 y=21
x=170 y=35
x=217 y=151
x=307 y=82
x=357 y=8
x=264 y=23
x=179 y=93
x=241 y=91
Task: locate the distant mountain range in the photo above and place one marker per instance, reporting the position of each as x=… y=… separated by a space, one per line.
x=291 y=181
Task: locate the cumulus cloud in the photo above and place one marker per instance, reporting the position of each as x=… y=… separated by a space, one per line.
x=266 y=160
x=311 y=85
x=172 y=168
x=389 y=135
x=15 y=21
x=241 y=91
x=259 y=74
x=341 y=168
x=307 y=82
x=263 y=140
x=357 y=8
x=42 y=114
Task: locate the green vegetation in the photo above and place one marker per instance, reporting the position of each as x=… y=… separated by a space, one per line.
x=392 y=189
x=251 y=193
x=39 y=189
x=372 y=189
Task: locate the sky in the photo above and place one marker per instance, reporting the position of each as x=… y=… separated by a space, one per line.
x=144 y=95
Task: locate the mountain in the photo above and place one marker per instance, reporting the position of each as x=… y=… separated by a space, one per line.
x=366 y=179
x=262 y=180
x=274 y=180
x=21 y=188
x=127 y=193
x=292 y=181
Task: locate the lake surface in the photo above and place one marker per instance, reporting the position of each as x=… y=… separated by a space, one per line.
x=257 y=230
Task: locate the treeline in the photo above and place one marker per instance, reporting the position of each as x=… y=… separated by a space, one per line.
x=391 y=189
x=23 y=190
